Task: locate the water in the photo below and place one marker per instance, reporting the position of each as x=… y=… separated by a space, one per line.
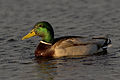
x=68 y=17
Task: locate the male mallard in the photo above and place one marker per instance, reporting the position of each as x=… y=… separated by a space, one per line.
x=64 y=46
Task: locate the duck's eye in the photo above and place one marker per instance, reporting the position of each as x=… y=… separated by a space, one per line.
x=40 y=25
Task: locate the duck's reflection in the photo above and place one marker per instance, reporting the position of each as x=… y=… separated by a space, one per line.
x=50 y=68
x=46 y=68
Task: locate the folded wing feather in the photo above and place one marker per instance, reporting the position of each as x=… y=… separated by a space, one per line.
x=78 y=46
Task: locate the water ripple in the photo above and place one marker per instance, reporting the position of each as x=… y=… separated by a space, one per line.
x=68 y=17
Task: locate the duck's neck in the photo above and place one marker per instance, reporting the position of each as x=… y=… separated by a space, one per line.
x=48 y=37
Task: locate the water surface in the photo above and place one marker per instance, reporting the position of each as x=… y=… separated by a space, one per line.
x=68 y=17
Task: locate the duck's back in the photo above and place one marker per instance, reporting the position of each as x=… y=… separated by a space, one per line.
x=75 y=45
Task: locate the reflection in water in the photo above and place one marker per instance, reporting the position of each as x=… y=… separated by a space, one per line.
x=66 y=66
x=46 y=67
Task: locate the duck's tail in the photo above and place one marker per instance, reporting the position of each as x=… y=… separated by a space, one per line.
x=103 y=42
x=107 y=43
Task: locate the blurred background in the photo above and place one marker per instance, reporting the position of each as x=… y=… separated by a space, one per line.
x=68 y=17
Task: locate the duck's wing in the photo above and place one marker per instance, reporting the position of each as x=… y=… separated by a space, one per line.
x=78 y=40
x=76 y=45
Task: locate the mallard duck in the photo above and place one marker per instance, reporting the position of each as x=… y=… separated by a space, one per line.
x=64 y=46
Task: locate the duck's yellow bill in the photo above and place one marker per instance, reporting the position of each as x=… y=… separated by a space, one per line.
x=32 y=33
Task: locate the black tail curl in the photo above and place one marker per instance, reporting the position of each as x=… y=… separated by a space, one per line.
x=107 y=43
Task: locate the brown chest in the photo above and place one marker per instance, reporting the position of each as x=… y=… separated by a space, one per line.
x=43 y=50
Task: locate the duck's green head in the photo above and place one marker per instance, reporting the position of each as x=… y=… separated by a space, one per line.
x=42 y=29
